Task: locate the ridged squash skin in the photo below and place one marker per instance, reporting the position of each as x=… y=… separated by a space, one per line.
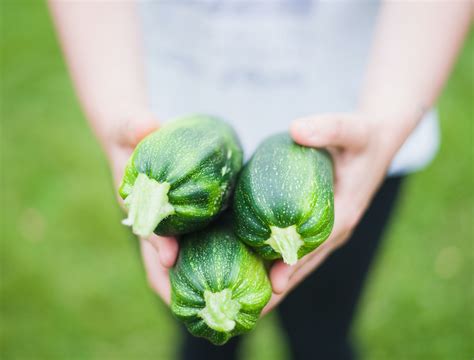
x=198 y=157
x=285 y=186
x=214 y=261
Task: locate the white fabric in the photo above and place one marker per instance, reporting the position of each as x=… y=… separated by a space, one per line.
x=261 y=64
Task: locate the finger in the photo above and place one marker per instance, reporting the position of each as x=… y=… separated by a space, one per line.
x=341 y=130
x=279 y=276
x=167 y=248
x=157 y=275
x=309 y=266
x=274 y=301
x=308 y=257
x=281 y=273
x=293 y=275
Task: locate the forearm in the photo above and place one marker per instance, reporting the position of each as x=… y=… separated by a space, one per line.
x=414 y=49
x=101 y=44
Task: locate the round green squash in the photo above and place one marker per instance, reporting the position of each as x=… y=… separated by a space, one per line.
x=180 y=177
x=218 y=285
x=284 y=200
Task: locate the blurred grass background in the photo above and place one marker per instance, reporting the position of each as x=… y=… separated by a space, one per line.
x=72 y=284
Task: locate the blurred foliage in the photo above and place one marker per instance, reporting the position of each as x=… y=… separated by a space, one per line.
x=72 y=284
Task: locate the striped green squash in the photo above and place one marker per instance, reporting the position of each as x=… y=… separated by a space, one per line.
x=219 y=286
x=284 y=202
x=180 y=177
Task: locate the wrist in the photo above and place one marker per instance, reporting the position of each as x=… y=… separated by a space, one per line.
x=391 y=128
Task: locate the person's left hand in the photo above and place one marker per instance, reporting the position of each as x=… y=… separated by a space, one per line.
x=362 y=147
x=159 y=253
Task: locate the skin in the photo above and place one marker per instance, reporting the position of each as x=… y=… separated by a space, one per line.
x=407 y=68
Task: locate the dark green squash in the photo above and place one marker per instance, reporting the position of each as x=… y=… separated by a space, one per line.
x=284 y=201
x=180 y=177
x=219 y=286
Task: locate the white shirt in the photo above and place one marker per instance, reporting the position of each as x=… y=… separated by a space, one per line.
x=260 y=65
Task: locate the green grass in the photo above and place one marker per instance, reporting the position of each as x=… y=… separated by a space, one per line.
x=72 y=285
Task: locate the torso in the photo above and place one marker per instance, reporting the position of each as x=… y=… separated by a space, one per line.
x=259 y=65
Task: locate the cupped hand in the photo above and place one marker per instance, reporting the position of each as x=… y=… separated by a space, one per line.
x=362 y=147
x=159 y=253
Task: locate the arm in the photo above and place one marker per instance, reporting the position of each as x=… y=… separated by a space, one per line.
x=101 y=44
x=413 y=51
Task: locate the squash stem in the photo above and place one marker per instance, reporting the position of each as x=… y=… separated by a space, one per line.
x=220 y=311
x=147 y=205
x=285 y=241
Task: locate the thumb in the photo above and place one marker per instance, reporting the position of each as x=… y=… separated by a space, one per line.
x=280 y=274
x=338 y=130
x=167 y=248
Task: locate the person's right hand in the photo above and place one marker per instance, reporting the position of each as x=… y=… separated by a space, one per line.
x=158 y=253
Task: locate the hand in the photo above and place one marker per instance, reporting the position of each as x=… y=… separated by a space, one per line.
x=158 y=253
x=362 y=147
